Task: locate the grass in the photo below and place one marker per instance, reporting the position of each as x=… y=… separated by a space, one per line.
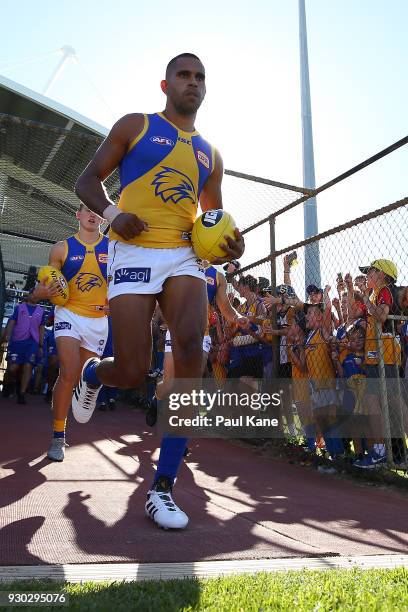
x=314 y=591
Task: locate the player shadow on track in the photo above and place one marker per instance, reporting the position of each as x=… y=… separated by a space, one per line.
x=302 y=512
x=239 y=504
x=323 y=512
x=22 y=481
x=18 y=535
x=214 y=531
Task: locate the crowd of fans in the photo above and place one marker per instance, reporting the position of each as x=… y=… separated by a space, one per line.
x=326 y=349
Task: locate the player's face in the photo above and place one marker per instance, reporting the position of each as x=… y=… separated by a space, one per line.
x=88 y=220
x=185 y=87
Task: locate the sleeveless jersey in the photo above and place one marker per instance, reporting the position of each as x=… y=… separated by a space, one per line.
x=85 y=271
x=319 y=364
x=161 y=178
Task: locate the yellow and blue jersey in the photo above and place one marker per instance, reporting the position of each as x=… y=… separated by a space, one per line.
x=161 y=178
x=85 y=269
x=319 y=364
x=356 y=379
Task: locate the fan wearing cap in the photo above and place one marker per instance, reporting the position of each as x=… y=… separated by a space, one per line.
x=381 y=275
x=378 y=299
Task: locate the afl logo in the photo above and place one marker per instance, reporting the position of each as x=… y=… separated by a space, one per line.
x=211 y=218
x=161 y=140
x=202 y=157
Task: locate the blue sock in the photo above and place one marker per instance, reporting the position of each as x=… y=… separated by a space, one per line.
x=171 y=455
x=90 y=374
x=328 y=442
x=334 y=445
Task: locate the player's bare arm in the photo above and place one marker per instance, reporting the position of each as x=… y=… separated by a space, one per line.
x=211 y=198
x=89 y=186
x=8 y=330
x=57 y=255
x=227 y=310
x=45 y=291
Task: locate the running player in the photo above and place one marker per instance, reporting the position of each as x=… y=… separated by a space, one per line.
x=81 y=326
x=216 y=294
x=166 y=167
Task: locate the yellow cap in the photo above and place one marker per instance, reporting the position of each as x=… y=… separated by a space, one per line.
x=384 y=265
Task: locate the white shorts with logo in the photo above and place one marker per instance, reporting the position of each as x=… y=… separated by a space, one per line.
x=92 y=332
x=167 y=343
x=138 y=270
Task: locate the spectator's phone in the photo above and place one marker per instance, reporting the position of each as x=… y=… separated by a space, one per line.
x=292 y=258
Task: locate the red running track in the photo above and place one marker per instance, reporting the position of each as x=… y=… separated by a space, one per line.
x=90 y=508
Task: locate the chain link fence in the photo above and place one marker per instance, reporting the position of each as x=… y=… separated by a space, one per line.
x=320 y=323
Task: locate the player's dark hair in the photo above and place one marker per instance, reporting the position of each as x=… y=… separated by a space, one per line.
x=174 y=60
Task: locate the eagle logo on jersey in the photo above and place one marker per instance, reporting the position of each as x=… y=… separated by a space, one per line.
x=170 y=184
x=87 y=281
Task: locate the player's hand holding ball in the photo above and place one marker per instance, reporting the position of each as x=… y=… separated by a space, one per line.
x=234 y=247
x=53 y=286
x=216 y=238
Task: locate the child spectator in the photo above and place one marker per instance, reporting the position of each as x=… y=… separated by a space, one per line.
x=381 y=276
x=300 y=385
x=349 y=366
x=321 y=374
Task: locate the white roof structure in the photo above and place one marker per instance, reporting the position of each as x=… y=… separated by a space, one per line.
x=44 y=146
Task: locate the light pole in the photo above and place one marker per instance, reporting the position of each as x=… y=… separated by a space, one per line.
x=312 y=255
x=67 y=53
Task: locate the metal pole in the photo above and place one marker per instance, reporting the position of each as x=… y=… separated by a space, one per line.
x=67 y=53
x=276 y=339
x=400 y=401
x=383 y=393
x=3 y=185
x=312 y=255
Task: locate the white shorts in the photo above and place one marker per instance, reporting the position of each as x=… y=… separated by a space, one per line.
x=138 y=270
x=92 y=332
x=167 y=343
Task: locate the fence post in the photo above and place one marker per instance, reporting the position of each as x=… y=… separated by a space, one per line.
x=276 y=339
x=400 y=398
x=383 y=392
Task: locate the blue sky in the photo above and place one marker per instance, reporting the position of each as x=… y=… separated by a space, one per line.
x=358 y=52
